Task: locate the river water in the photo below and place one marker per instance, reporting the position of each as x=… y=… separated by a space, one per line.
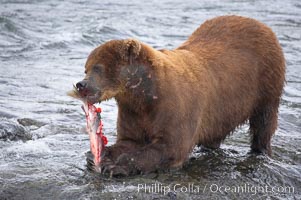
x=43 y=48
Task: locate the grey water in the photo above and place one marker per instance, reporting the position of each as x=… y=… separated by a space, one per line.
x=43 y=144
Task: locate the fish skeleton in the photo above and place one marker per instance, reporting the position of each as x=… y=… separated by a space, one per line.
x=94 y=128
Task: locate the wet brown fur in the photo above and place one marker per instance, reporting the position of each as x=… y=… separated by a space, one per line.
x=230 y=70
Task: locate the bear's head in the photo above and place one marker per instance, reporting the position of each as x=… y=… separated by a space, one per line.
x=116 y=68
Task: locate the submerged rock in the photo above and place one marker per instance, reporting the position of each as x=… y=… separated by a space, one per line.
x=30 y=122
x=11 y=130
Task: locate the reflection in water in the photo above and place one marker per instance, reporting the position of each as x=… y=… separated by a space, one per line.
x=43 y=48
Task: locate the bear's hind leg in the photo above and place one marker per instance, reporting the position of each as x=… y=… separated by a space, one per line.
x=263 y=124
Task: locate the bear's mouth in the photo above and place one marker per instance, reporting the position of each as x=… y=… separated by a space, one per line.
x=93 y=98
x=87 y=96
x=97 y=96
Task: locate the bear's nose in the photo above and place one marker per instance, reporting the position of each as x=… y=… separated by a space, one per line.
x=81 y=86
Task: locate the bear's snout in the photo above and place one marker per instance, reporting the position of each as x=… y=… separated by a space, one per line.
x=82 y=88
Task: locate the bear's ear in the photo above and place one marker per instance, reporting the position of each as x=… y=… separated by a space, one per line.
x=130 y=50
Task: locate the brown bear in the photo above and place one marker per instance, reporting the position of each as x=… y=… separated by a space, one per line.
x=230 y=70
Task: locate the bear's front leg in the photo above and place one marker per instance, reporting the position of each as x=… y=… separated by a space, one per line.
x=145 y=159
x=111 y=153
